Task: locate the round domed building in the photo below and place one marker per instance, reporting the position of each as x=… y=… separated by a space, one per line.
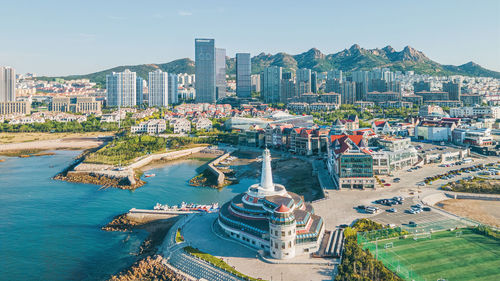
x=268 y=217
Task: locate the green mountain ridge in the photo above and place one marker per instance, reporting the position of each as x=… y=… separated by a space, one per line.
x=354 y=58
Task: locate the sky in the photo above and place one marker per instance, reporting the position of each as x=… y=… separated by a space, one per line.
x=77 y=37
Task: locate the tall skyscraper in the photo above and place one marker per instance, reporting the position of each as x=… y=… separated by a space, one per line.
x=7 y=84
x=287 y=90
x=173 y=88
x=333 y=85
x=158 y=88
x=220 y=73
x=314 y=82
x=454 y=89
x=270 y=82
x=139 y=90
x=205 y=70
x=348 y=92
x=361 y=79
x=243 y=73
x=121 y=88
x=303 y=81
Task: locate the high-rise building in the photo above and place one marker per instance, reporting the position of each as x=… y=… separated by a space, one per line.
x=454 y=89
x=158 y=88
x=348 y=92
x=205 y=70
x=140 y=90
x=173 y=88
x=303 y=81
x=255 y=83
x=333 y=85
x=361 y=79
x=314 y=82
x=121 y=88
x=288 y=90
x=7 y=84
x=334 y=74
x=243 y=75
x=421 y=86
x=270 y=82
x=220 y=73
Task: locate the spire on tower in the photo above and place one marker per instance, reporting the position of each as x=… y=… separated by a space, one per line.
x=266 y=179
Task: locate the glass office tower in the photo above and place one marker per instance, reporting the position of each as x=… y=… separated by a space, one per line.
x=205 y=70
x=220 y=73
x=243 y=75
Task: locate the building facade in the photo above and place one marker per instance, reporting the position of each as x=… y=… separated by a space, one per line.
x=121 y=88
x=270 y=82
x=243 y=75
x=220 y=73
x=15 y=108
x=86 y=105
x=158 y=88
x=7 y=84
x=205 y=70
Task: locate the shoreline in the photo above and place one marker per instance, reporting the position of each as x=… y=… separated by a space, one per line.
x=148 y=264
x=55 y=144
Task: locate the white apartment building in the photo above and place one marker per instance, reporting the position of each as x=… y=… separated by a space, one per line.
x=154 y=126
x=121 y=88
x=473 y=111
x=203 y=124
x=394 y=154
x=181 y=125
x=158 y=88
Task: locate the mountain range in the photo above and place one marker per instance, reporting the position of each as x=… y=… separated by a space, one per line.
x=354 y=58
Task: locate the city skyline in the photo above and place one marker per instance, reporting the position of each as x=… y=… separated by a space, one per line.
x=91 y=40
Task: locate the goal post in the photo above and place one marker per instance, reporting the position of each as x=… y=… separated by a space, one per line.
x=388 y=245
x=424 y=235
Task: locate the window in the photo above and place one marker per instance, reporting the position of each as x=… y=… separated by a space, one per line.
x=289 y=232
x=283 y=246
x=282 y=233
x=289 y=244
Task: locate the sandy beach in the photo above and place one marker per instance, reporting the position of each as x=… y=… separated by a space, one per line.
x=52 y=144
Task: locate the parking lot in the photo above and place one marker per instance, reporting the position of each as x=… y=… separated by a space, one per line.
x=402 y=218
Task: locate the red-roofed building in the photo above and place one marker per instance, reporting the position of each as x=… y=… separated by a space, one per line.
x=350 y=162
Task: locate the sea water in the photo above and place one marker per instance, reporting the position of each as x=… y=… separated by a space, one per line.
x=51 y=230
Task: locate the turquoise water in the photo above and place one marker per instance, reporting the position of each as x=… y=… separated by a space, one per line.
x=50 y=230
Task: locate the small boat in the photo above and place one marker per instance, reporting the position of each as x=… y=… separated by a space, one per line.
x=149 y=175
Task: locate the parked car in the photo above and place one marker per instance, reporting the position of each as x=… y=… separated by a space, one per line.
x=412 y=223
x=396 y=180
x=392 y=210
x=427 y=209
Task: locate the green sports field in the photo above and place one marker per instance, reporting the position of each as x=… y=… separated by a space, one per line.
x=471 y=256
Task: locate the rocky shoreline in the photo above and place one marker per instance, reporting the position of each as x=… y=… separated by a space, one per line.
x=97 y=179
x=148 y=265
x=150 y=268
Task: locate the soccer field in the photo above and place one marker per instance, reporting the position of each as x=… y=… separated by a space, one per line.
x=470 y=256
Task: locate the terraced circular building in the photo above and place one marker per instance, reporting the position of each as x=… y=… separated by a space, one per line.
x=267 y=217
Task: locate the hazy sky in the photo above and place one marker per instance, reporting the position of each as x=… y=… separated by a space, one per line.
x=75 y=37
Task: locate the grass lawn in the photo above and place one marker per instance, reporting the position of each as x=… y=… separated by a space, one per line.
x=469 y=257
x=217 y=262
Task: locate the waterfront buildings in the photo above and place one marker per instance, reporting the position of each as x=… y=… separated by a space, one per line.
x=220 y=73
x=271 y=84
x=158 y=88
x=154 y=126
x=7 y=84
x=121 y=88
x=243 y=75
x=269 y=218
x=205 y=70
x=86 y=105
